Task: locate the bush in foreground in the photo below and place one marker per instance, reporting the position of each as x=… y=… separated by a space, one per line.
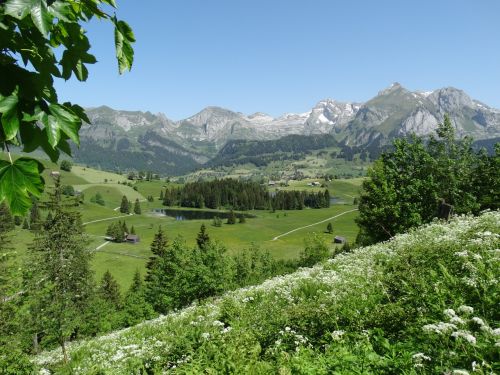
x=424 y=302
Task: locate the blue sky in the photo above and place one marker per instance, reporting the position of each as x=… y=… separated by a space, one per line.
x=279 y=56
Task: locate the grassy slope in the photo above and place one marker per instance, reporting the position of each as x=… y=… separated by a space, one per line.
x=123 y=259
x=260 y=230
x=371 y=311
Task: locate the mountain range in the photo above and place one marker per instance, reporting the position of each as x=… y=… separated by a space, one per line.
x=142 y=140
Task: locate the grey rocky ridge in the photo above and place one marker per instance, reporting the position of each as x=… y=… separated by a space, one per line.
x=394 y=112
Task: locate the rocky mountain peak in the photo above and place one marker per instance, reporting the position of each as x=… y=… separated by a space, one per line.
x=394 y=112
x=450 y=99
x=260 y=118
x=394 y=87
x=212 y=114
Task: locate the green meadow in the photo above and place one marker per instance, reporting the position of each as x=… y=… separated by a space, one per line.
x=122 y=259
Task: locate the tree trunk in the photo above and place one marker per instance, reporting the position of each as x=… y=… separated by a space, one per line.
x=36 y=347
x=63 y=348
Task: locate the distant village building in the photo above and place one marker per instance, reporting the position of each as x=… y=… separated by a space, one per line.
x=272 y=183
x=55 y=174
x=132 y=238
x=339 y=239
x=314 y=183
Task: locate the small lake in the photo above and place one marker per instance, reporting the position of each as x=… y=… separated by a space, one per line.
x=179 y=214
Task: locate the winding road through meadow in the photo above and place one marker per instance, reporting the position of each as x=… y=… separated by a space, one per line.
x=311 y=225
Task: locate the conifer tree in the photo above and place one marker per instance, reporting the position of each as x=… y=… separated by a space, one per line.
x=109 y=290
x=232 y=218
x=159 y=273
x=9 y=345
x=6 y=225
x=6 y=219
x=35 y=217
x=26 y=224
x=329 y=228
x=326 y=199
x=217 y=222
x=59 y=283
x=137 y=207
x=202 y=239
x=132 y=230
x=161 y=195
x=97 y=198
x=124 y=206
x=116 y=231
x=124 y=226
x=136 y=308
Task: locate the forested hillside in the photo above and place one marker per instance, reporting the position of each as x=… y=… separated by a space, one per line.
x=261 y=153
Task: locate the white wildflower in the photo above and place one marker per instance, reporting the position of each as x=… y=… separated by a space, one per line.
x=486 y=329
x=457 y=320
x=469 y=282
x=461 y=254
x=460 y=372
x=205 y=335
x=218 y=323
x=464 y=309
x=496 y=332
x=118 y=356
x=450 y=313
x=440 y=327
x=478 y=321
x=337 y=335
x=467 y=336
x=419 y=357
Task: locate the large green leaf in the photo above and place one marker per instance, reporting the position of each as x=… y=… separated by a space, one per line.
x=10 y=118
x=19 y=8
x=41 y=17
x=52 y=129
x=124 y=37
x=40 y=14
x=66 y=121
x=18 y=180
x=61 y=10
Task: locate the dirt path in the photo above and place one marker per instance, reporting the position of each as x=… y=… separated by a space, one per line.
x=311 y=225
x=101 y=246
x=107 y=218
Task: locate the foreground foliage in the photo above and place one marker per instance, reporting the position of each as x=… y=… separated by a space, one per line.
x=406 y=186
x=42 y=40
x=424 y=302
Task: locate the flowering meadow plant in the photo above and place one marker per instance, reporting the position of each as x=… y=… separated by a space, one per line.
x=424 y=302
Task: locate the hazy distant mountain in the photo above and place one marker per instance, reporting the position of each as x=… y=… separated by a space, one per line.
x=181 y=145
